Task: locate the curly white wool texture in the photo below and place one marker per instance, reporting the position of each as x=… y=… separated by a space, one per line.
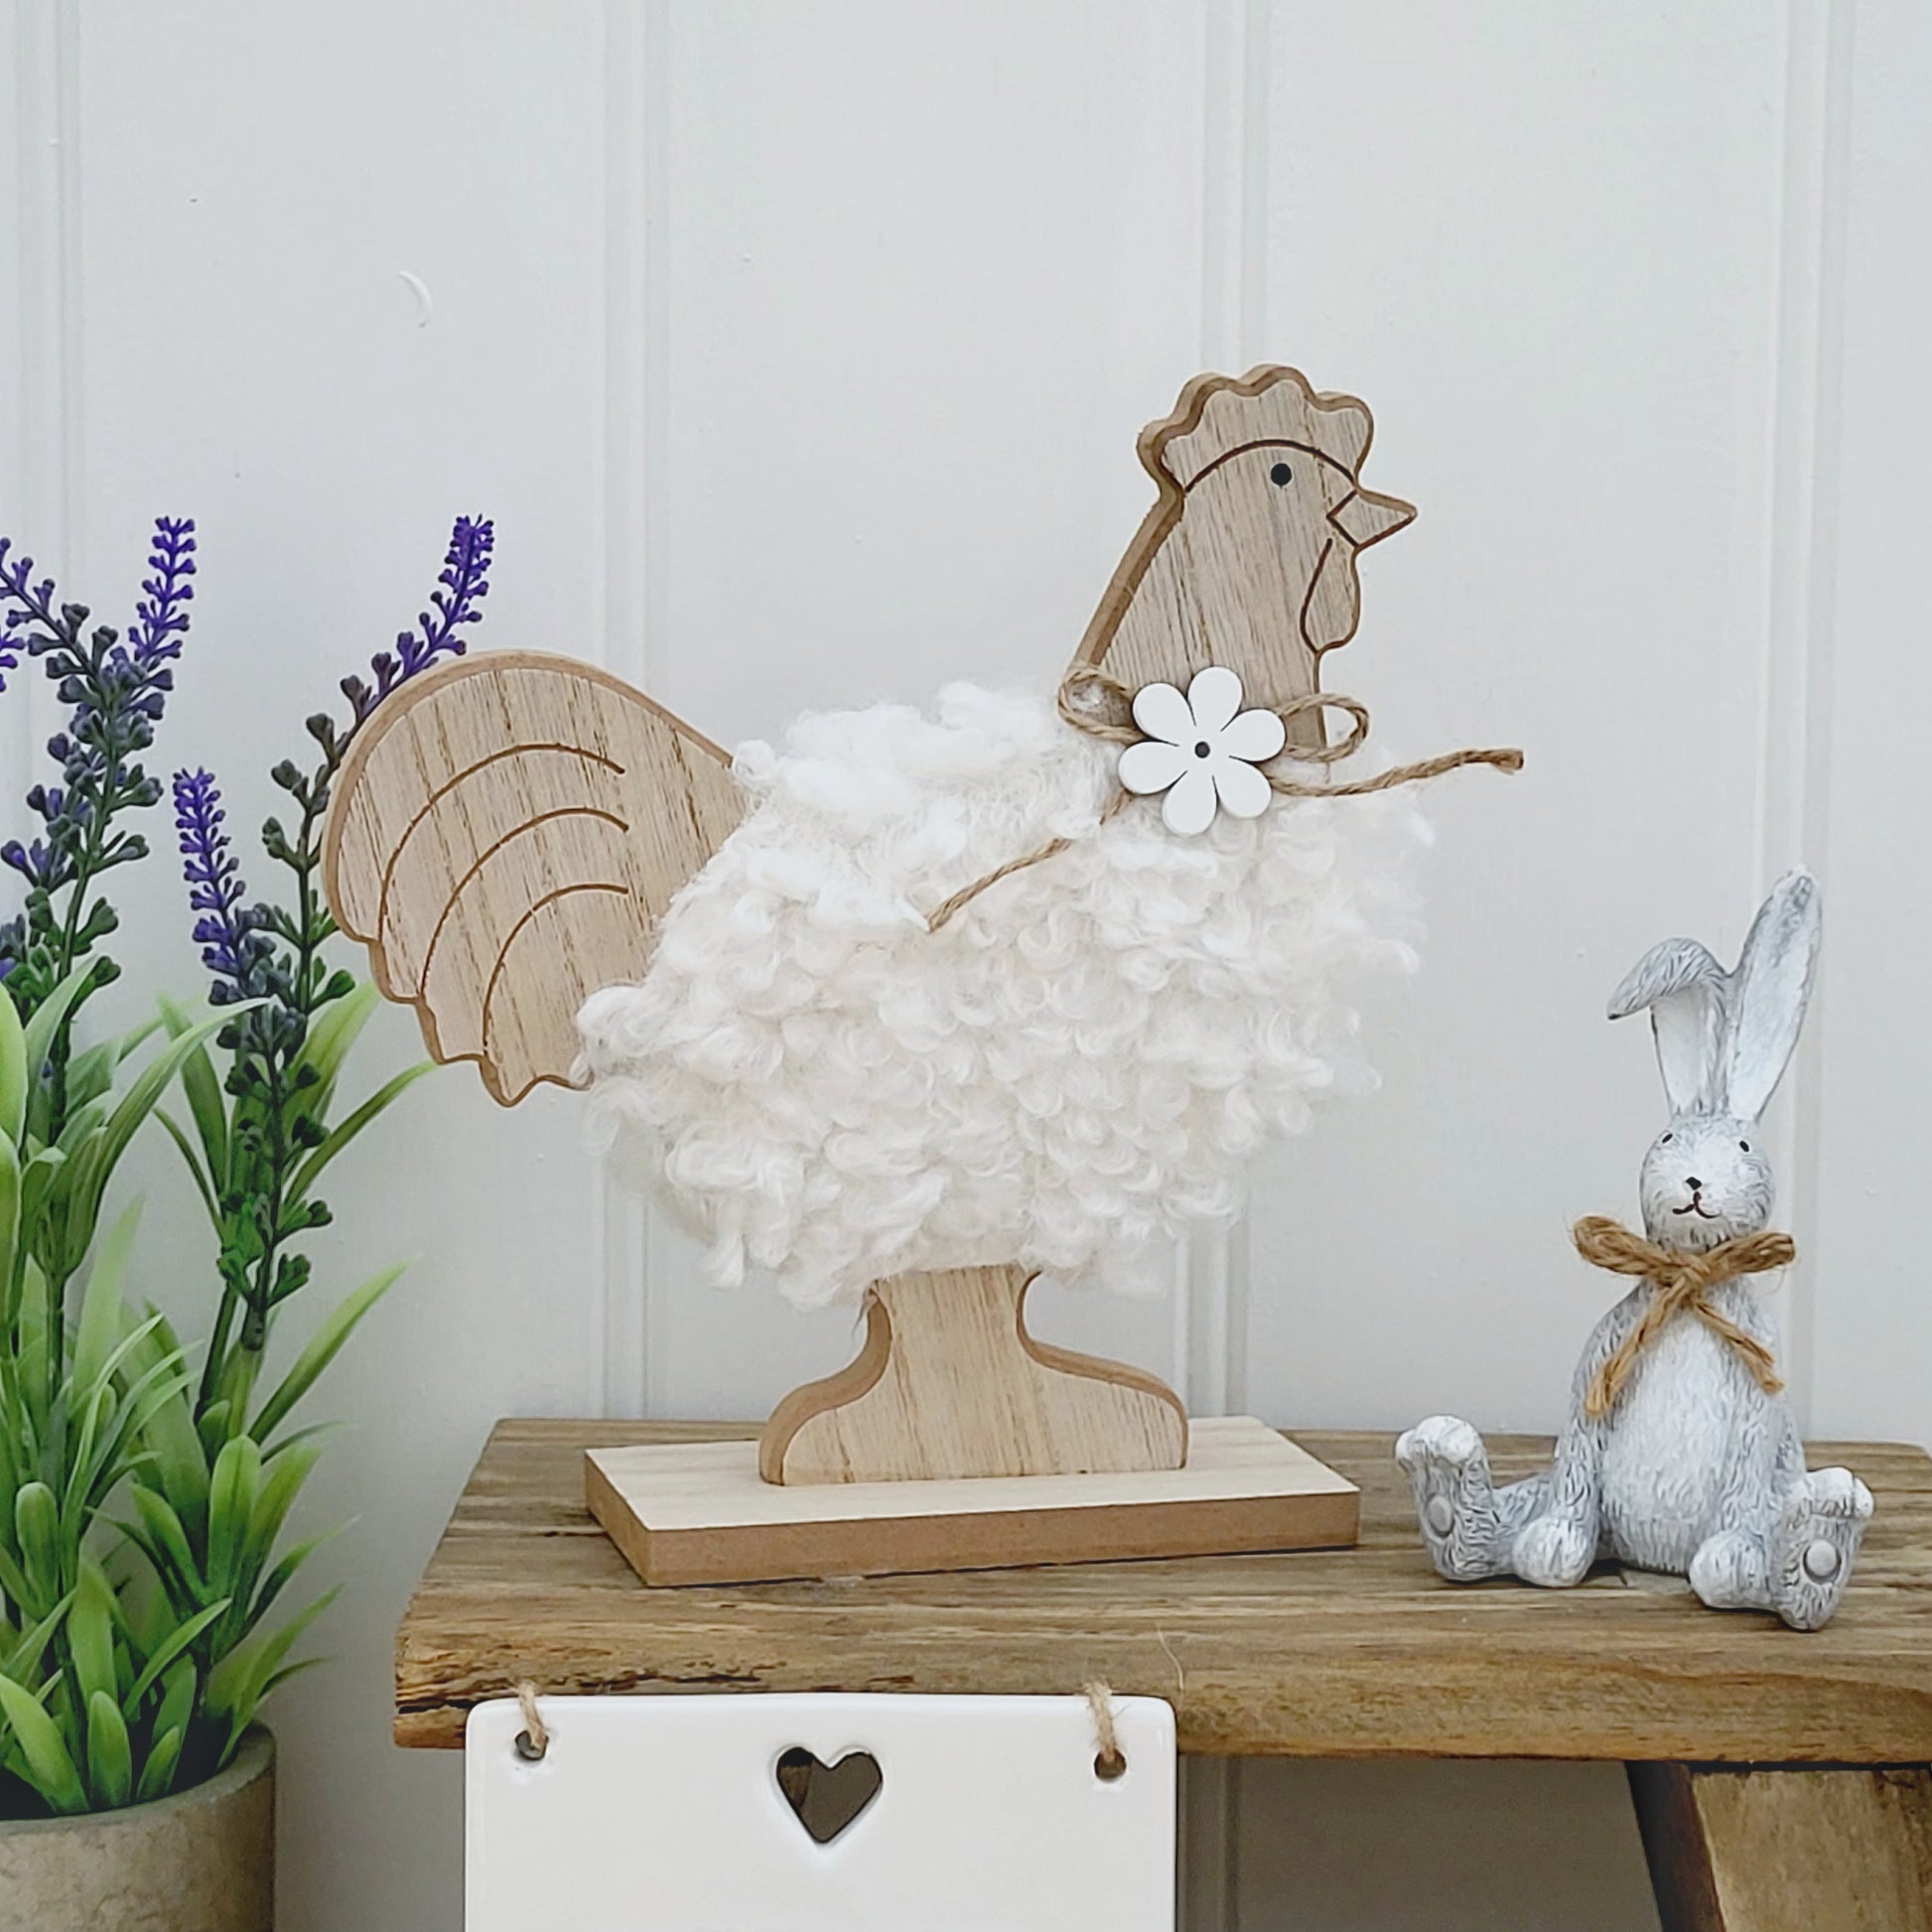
x=1076 y=1066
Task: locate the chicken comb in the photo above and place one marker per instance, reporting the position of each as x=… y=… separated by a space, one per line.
x=1220 y=415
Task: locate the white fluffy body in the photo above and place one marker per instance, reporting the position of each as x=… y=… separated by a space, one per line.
x=1075 y=1068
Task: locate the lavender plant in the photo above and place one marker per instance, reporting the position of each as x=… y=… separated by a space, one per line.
x=83 y=1708
x=143 y=1506
x=261 y=1160
x=259 y=1139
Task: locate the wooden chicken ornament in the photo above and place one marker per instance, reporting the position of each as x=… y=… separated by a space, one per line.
x=513 y=835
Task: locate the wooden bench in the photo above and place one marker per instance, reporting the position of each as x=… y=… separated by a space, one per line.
x=1780 y=1781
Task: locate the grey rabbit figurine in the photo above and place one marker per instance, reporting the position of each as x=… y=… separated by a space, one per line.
x=1679 y=1454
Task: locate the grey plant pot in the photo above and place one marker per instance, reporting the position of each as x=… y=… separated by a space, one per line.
x=202 y=1860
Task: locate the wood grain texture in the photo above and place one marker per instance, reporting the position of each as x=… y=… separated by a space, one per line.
x=504 y=837
x=700 y=1512
x=1781 y=1849
x=949 y=1383
x=1357 y=1653
x=1247 y=558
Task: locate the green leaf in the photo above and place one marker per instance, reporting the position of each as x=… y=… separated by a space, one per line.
x=323 y=1346
x=99 y=1330
x=37 y=1531
x=178 y=1641
x=48 y=1764
x=37 y=1178
x=143 y=1093
x=118 y=1452
x=283 y=1482
x=239 y=1682
x=14 y=1079
x=346 y=1129
x=178 y=1697
x=90 y=1631
x=158 y=1774
x=193 y=1159
x=205 y=1098
x=233 y=1490
x=84 y=1122
x=111 y=1762
x=334 y=1030
x=14 y=1584
x=164 y=1526
x=213 y=1429
x=39 y=1033
x=287 y=1671
x=23 y=1661
x=278 y=1578
x=92 y=1073
x=180 y=1463
x=283 y=1443
x=9 y=1207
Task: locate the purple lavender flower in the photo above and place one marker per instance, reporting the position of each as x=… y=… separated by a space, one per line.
x=465 y=583
x=160 y=618
x=229 y=933
x=28 y=603
x=117 y=690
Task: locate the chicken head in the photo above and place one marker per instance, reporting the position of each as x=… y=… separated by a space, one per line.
x=1248 y=557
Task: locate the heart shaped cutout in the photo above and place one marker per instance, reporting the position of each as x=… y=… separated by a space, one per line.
x=827 y=1798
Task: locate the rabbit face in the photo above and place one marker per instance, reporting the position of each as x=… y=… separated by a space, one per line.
x=1723 y=1042
x=1704 y=1181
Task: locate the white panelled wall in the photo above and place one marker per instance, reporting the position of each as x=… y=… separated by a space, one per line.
x=799 y=352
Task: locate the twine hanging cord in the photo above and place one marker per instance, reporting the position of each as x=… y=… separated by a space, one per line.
x=1109 y=1760
x=533 y=1741
x=1102 y=706
x=1681 y=1282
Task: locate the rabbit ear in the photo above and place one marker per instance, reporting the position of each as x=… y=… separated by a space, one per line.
x=1684 y=988
x=1771 y=989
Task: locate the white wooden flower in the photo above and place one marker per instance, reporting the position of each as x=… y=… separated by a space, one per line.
x=1201 y=750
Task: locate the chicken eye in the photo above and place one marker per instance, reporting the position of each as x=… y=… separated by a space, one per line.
x=1745 y=1145
x=1665 y=1142
x=1281 y=474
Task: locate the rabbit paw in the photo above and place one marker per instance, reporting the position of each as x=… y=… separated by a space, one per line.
x=1554 y=1552
x=1727 y=1572
x=1813 y=1544
x=1449 y=1474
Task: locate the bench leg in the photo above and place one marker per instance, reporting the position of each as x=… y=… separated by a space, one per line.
x=1787 y=1849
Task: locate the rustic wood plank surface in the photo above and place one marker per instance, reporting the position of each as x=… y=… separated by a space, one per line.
x=1764 y=1850
x=1354 y=1653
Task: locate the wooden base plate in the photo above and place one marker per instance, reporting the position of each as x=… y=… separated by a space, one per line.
x=699 y=1512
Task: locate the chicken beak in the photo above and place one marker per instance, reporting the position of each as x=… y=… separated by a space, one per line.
x=1364 y=517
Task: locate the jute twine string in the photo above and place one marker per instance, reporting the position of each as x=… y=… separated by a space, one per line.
x=1109 y=1760
x=1681 y=1282
x=533 y=1741
x=1102 y=706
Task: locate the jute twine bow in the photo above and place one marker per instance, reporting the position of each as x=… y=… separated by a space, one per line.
x=1102 y=706
x=1681 y=1282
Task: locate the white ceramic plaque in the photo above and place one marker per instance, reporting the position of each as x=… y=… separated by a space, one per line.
x=671 y=1814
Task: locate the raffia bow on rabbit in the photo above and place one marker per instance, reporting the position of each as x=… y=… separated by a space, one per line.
x=1693 y=1465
